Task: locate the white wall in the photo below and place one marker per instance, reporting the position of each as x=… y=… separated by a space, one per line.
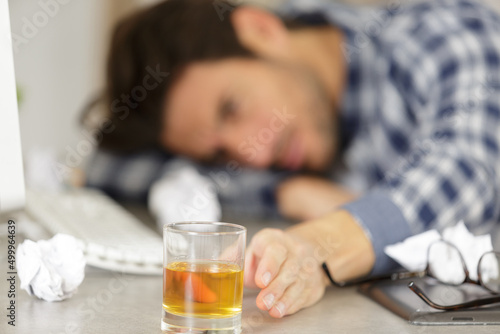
x=58 y=61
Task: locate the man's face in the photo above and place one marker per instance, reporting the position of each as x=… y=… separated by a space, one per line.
x=259 y=113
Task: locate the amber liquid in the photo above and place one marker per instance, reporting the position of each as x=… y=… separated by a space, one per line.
x=207 y=289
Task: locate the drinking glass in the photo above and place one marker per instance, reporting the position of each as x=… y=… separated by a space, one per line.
x=203 y=277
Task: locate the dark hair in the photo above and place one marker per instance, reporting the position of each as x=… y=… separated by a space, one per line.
x=165 y=37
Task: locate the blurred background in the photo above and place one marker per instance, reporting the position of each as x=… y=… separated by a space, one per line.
x=60 y=52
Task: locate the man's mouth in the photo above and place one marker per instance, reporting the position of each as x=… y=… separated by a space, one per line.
x=292 y=154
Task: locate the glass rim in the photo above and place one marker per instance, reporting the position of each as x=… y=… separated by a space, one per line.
x=171 y=227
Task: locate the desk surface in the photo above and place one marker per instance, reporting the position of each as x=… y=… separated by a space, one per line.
x=113 y=303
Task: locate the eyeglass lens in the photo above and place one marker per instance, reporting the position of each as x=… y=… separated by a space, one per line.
x=489 y=271
x=445 y=263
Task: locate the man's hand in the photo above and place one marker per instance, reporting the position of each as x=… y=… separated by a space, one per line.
x=305 y=198
x=287 y=265
x=285 y=268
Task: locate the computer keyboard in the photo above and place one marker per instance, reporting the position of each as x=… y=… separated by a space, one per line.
x=112 y=238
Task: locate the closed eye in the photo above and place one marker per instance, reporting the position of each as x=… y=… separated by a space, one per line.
x=228 y=110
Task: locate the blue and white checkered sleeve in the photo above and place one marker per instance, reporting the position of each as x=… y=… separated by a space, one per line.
x=126 y=177
x=453 y=171
x=129 y=177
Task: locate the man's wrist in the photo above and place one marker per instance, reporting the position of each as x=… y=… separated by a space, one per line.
x=383 y=222
x=339 y=241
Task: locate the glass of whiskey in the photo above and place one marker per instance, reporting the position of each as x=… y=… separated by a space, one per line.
x=203 y=277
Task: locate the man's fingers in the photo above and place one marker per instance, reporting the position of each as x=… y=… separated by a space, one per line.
x=276 y=265
x=308 y=297
x=251 y=263
x=287 y=276
x=264 y=238
x=291 y=301
x=255 y=254
x=269 y=265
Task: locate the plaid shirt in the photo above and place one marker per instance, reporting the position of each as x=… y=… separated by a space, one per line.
x=420 y=116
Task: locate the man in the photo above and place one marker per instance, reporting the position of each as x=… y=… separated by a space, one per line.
x=396 y=109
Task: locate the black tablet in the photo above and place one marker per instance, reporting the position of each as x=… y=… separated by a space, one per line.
x=398 y=298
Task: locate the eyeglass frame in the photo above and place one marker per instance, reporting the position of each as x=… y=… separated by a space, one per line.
x=426 y=273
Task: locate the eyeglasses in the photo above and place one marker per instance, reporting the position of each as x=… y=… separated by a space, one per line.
x=446 y=264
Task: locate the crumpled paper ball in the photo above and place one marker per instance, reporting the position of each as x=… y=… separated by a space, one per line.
x=183 y=194
x=51 y=269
